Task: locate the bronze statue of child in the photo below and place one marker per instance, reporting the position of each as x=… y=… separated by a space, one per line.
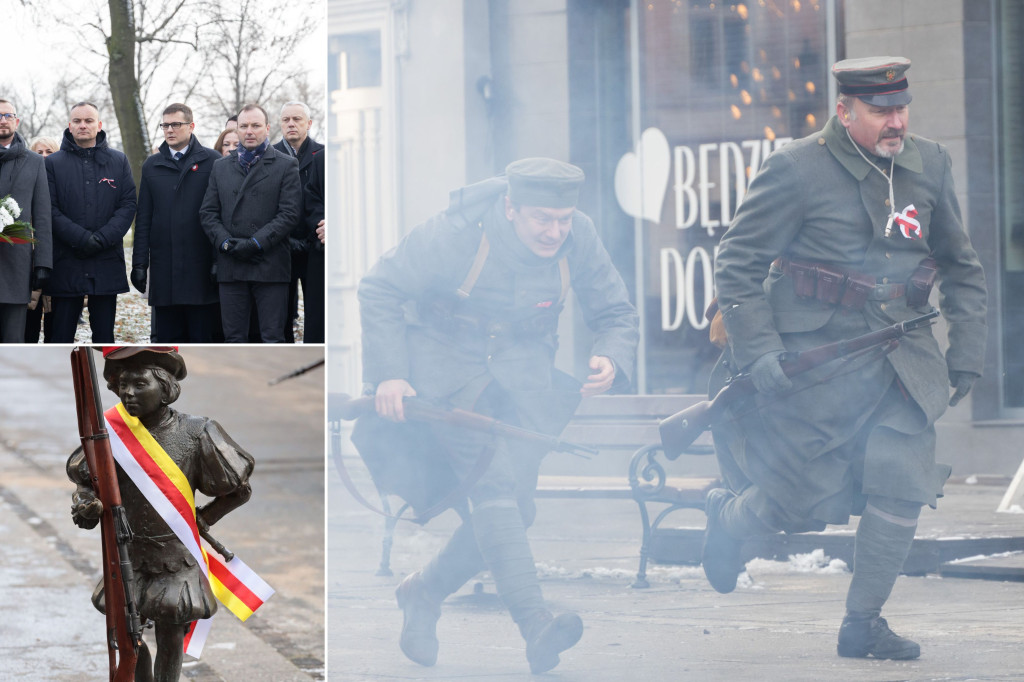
x=170 y=585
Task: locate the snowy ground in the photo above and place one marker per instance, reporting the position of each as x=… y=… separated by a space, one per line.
x=132 y=324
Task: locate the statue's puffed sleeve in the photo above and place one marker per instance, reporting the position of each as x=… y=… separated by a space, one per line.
x=224 y=471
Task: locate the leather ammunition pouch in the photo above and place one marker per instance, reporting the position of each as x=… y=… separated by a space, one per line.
x=919 y=288
x=837 y=285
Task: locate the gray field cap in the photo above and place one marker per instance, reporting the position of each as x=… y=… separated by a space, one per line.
x=543 y=182
x=878 y=81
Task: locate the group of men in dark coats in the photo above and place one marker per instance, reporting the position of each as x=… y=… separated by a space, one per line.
x=218 y=240
x=223 y=233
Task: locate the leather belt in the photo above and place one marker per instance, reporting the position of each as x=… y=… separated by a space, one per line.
x=836 y=284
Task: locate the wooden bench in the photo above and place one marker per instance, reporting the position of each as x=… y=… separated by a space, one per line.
x=630 y=424
x=611 y=424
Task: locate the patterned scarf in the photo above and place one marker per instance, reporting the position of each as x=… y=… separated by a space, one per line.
x=247 y=158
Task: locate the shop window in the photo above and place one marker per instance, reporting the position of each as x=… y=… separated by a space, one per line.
x=722 y=86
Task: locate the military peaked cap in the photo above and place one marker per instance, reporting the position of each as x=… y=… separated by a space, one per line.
x=878 y=81
x=544 y=182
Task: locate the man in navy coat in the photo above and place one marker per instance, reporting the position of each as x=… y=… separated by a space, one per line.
x=251 y=205
x=169 y=240
x=92 y=197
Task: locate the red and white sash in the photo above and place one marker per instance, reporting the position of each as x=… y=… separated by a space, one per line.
x=164 y=485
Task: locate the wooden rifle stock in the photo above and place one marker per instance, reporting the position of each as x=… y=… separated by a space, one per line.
x=679 y=431
x=124 y=626
x=352 y=408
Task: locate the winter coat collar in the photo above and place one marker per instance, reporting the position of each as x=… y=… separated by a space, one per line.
x=839 y=144
x=69 y=145
x=166 y=154
x=17 y=149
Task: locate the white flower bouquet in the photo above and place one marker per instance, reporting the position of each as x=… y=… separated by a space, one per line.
x=13 y=231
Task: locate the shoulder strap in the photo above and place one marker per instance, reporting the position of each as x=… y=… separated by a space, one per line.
x=478 y=265
x=563 y=274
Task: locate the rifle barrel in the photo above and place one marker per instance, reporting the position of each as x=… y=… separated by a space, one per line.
x=348 y=408
x=124 y=627
x=679 y=431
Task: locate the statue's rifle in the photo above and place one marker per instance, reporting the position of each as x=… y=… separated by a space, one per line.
x=124 y=626
x=679 y=431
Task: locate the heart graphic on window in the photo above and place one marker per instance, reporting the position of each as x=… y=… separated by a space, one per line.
x=642 y=176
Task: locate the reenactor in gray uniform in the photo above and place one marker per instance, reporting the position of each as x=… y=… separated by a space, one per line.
x=841 y=233
x=464 y=313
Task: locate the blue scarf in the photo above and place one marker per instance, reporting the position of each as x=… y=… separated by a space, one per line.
x=248 y=158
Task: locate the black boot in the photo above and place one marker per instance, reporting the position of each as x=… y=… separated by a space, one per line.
x=720 y=554
x=547 y=636
x=863 y=635
x=420 y=614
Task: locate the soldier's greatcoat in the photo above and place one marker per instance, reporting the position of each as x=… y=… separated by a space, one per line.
x=449 y=348
x=869 y=430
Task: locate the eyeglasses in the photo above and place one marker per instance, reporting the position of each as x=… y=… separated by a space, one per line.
x=8 y=117
x=175 y=125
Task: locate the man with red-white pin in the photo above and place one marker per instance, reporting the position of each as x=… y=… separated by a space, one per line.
x=92 y=202
x=172 y=254
x=842 y=233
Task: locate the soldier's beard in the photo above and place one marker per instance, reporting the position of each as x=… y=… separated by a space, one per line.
x=887 y=152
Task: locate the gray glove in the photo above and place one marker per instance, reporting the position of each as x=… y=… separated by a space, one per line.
x=767 y=374
x=961 y=383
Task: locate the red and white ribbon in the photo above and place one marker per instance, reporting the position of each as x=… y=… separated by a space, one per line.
x=909 y=226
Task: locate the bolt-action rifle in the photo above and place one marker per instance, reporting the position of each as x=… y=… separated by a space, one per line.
x=420 y=410
x=124 y=627
x=297 y=373
x=679 y=431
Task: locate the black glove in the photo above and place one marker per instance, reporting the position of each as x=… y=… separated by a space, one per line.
x=767 y=374
x=138 y=278
x=961 y=383
x=298 y=245
x=247 y=250
x=92 y=246
x=40 y=276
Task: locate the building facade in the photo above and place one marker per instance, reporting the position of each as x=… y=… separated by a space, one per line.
x=669 y=106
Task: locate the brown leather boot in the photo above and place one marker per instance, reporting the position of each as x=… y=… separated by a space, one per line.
x=863 y=635
x=420 y=614
x=547 y=636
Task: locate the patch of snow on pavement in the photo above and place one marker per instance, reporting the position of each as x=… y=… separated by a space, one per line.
x=814 y=562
